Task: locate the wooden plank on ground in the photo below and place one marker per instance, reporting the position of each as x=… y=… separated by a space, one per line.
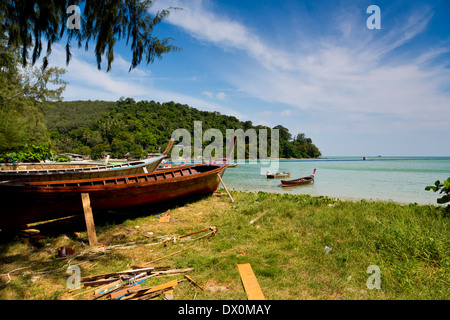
x=195 y=283
x=164 y=219
x=106 y=287
x=250 y=283
x=170 y=284
x=121 y=273
x=95 y=283
x=88 y=217
x=257 y=218
x=162 y=287
x=125 y=291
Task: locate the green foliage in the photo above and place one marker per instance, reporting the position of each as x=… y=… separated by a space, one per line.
x=63 y=159
x=443 y=188
x=24 y=95
x=28 y=153
x=27 y=23
x=146 y=126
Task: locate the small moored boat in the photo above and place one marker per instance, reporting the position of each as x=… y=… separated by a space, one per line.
x=271 y=175
x=299 y=181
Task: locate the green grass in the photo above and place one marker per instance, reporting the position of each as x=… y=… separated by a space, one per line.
x=285 y=247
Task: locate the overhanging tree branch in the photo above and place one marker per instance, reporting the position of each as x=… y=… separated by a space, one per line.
x=27 y=23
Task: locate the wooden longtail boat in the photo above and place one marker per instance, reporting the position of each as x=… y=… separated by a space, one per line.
x=46 y=165
x=299 y=181
x=278 y=175
x=27 y=202
x=75 y=172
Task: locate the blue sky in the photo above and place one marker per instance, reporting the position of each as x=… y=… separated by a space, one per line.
x=311 y=66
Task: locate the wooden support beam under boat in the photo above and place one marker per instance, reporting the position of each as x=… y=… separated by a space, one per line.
x=88 y=217
x=223 y=183
x=46 y=200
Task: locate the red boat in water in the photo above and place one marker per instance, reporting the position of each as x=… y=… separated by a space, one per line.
x=299 y=181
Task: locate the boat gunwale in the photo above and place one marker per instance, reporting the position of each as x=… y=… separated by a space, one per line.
x=47 y=186
x=99 y=168
x=302 y=179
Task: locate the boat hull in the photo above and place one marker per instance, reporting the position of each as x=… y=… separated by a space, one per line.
x=299 y=181
x=296 y=183
x=40 y=201
x=84 y=172
x=52 y=172
x=278 y=176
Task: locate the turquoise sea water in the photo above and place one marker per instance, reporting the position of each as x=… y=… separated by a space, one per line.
x=400 y=179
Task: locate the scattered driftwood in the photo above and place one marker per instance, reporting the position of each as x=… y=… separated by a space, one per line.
x=258 y=217
x=31 y=234
x=120 y=273
x=165 y=217
x=99 y=282
x=195 y=283
x=128 y=284
x=212 y=229
x=152 y=292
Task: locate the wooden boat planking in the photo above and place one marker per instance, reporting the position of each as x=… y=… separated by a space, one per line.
x=46 y=165
x=38 y=201
x=85 y=172
x=299 y=181
x=27 y=202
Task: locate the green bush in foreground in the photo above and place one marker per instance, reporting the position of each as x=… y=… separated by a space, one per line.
x=443 y=188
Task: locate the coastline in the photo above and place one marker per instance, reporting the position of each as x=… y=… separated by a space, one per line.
x=343 y=198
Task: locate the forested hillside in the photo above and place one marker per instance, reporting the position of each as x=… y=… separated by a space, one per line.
x=97 y=127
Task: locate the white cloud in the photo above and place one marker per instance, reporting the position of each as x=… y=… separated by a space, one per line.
x=208 y=94
x=286 y=112
x=203 y=24
x=221 y=96
x=352 y=74
x=87 y=82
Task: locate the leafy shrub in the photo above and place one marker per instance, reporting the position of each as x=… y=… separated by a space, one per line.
x=443 y=188
x=28 y=153
x=63 y=159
